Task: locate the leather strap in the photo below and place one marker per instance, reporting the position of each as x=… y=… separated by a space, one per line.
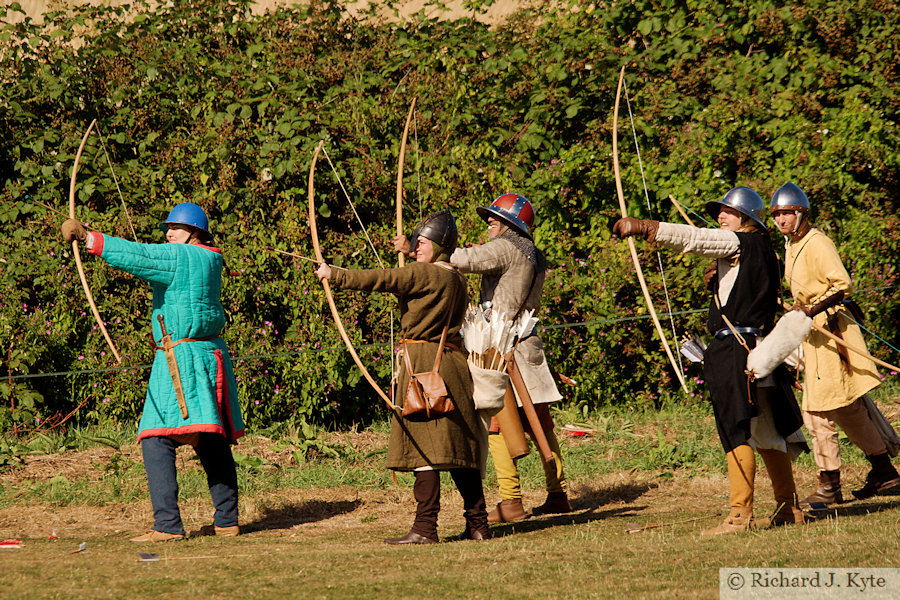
x=200 y=339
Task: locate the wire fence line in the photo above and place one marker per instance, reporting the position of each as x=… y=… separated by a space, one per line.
x=384 y=345
x=331 y=349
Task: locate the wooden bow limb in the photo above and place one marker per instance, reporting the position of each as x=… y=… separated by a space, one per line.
x=841 y=342
x=680 y=210
x=328 y=295
x=77 y=253
x=631 y=246
x=401 y=258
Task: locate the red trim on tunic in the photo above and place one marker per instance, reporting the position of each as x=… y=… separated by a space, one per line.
x=223 y=404
x=201 y=428
x=210 y=248
x=222 y=399
x=96 y=243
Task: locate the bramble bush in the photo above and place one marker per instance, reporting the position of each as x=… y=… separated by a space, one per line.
x=201 y=101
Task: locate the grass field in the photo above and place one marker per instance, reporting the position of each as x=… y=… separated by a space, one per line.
x=314 y=529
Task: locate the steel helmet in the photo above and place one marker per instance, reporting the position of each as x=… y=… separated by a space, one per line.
x=440 y=228
x=789 y=197
x=742 y=199
x=186 y=213
x=513 y=209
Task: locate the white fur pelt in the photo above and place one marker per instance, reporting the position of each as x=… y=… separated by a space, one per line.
x=789 y=332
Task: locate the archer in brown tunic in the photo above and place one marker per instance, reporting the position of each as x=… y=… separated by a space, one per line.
x=427 y=290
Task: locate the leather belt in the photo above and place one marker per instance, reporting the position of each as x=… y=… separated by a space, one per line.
x=724 y=333
x=448 y=344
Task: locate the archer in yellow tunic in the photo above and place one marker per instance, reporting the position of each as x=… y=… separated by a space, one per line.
x=836 y=380
x=834 y=377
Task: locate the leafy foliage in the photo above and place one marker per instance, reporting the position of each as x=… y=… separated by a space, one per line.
x=201 y=101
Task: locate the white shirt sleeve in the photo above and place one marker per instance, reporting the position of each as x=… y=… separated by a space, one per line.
x=711 y=243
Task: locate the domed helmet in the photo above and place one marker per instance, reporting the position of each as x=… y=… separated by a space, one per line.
x=514 y=210
x=789 y=197
x=186 y=213
x=742 y=199
x=440 y=228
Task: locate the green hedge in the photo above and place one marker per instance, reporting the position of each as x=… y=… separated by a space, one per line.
x=201 y=101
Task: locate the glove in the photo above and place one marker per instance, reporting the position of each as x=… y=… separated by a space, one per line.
x=72 y=230
x=709 y=275
x=629 y=226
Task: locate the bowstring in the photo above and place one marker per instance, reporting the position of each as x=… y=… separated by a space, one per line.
x=116 y=180
x=374 y=251
x=353 y=206
x=650 y=209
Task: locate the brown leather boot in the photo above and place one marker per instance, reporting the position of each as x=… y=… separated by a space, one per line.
x=738 y=520
x=555 y=504
x=231 y=531
x=787 y=513
x=881 y=478
x=741 y=476
x=508 y=511
x=829 y=490
x=411 y=538
x=157 y=536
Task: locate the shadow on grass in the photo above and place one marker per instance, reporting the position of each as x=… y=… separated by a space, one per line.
x=289 y=515
x=585 y=509
x=857 y=509
x=593 y=497
x=572 y=518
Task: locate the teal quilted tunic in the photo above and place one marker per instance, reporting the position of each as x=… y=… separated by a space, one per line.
x=186 y=281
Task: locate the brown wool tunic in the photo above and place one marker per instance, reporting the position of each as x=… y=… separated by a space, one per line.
x=425 y=293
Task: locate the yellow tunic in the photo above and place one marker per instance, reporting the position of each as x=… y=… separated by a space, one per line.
x=814 y=271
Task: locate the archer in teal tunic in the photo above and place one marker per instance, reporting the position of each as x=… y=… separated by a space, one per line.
x=186 y=280
x=186 y=277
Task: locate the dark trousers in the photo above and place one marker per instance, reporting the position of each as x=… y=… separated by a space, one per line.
x=427 y=492
x=214 y=453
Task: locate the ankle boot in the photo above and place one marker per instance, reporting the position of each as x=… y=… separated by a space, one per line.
x=880 y=478
x=829 y=490
x=739 y=519
x=507 y=511
x=786 y=513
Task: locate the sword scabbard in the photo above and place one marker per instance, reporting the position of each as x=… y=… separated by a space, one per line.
x=169 y=351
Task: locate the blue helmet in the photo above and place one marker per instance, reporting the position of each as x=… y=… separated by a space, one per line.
x=186 y=213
